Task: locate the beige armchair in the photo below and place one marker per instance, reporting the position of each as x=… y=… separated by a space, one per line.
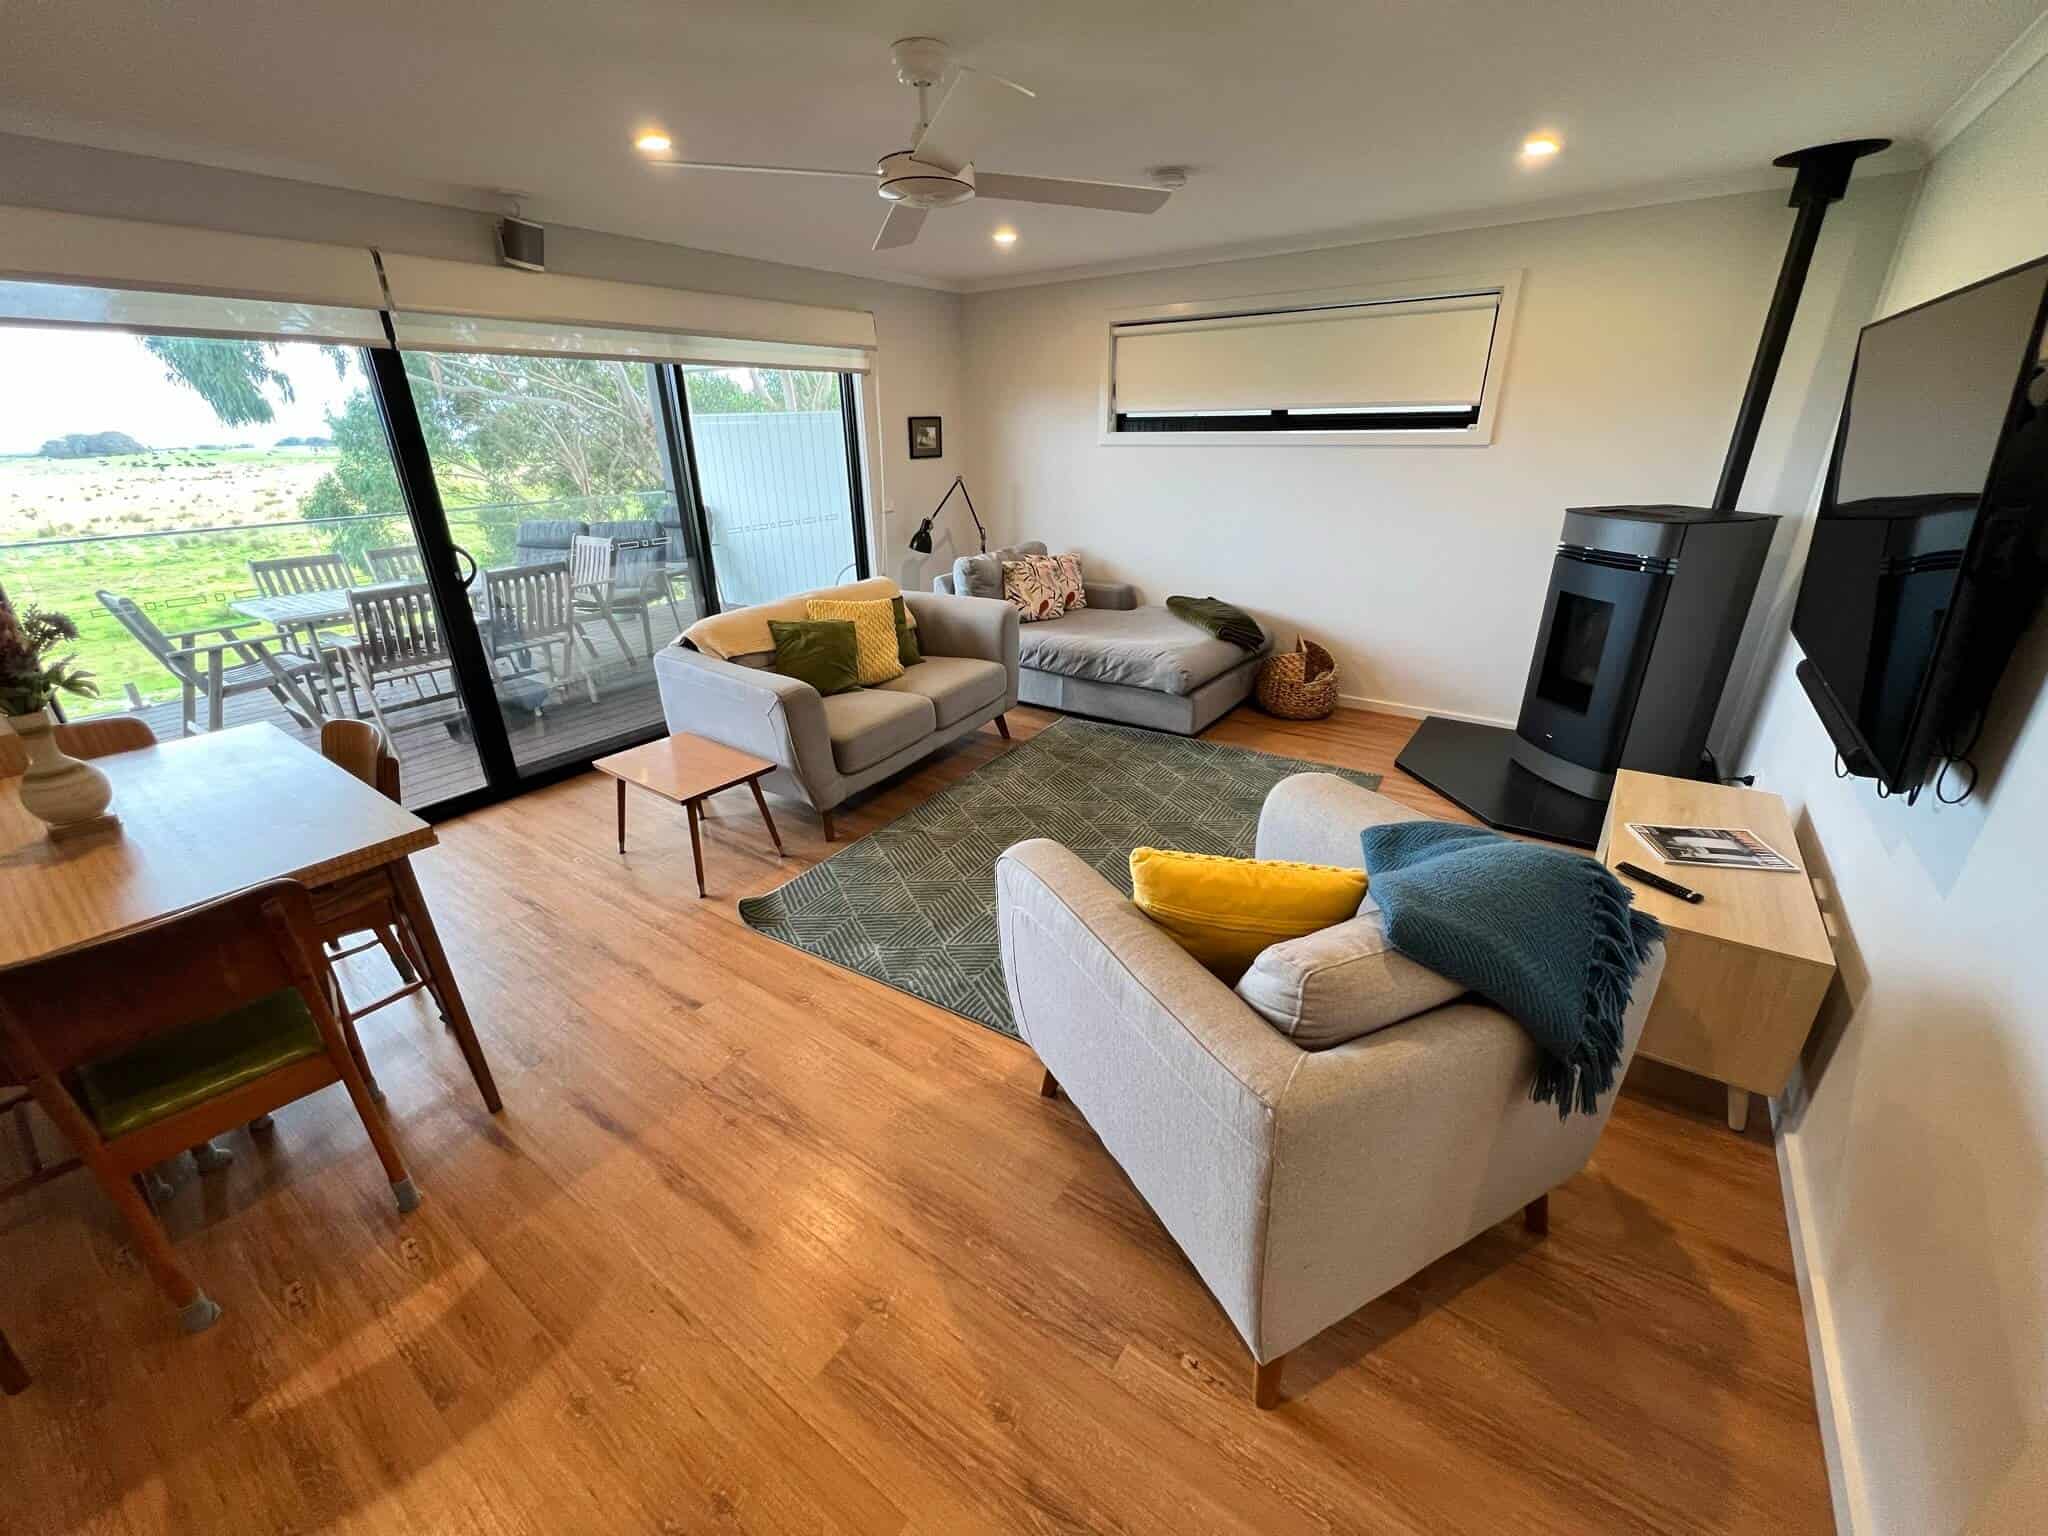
x=1300 y=1184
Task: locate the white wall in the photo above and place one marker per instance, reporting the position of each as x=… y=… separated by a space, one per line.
x=1424 y=569
x=916 y=366
x=1916 y=1146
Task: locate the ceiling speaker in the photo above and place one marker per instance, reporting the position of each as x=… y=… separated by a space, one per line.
x=522 y=244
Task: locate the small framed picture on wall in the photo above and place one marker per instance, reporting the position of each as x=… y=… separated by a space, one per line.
x=926 y=440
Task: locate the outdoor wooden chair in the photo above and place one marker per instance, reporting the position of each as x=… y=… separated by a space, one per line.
x=396 y=562
x=531 y=610
x=399 y=638
x=592 y=562
x=293 y=574
x=640 y=564
x=221 y=669
x=167 y=1036
x=366 y=904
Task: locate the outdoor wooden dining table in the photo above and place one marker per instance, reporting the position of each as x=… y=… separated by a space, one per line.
x=201 y=818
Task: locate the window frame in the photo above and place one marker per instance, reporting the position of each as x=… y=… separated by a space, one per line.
x=1367 y=430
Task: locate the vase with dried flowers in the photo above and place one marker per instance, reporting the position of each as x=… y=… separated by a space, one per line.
x=66 y=795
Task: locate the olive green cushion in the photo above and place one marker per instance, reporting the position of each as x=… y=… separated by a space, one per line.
x=202 y=1061
x=821 y=652
x=907 y=651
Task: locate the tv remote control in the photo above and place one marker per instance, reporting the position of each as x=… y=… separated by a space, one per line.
x=1658 y=883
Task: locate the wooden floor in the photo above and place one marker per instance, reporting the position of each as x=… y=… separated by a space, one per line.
x=761 y=1245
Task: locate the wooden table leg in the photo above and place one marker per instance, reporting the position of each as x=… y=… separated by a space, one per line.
x=622 y=814
x=406 y=886
x=762 y=801
x=13 y=1374
x=696 y=844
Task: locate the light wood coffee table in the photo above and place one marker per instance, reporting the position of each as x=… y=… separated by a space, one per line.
x=687 y=770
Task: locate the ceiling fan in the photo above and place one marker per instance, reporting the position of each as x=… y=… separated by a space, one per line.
x=937 y=171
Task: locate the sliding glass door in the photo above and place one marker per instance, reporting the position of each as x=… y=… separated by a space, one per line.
x=778 y=473
x=569 y=537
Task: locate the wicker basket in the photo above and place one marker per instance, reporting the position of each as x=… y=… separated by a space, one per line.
x=1300 y=684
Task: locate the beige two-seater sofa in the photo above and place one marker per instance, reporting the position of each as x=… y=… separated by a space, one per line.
x=716 y=682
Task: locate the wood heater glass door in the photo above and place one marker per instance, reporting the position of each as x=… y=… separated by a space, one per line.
x=1598 y=623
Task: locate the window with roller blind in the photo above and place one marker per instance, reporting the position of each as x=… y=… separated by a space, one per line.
x=1415 y=368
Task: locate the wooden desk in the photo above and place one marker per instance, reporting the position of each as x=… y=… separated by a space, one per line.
x=687 y=769
x=201 y=818
x=1745 y=969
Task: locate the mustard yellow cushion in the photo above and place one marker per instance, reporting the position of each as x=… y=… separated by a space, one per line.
x=1225 y=911
x=876 y=654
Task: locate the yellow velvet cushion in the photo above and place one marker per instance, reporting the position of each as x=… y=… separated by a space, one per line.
x=876 y=654
x=1225 y=911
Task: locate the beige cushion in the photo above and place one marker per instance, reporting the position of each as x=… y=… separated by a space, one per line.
x=956 y=685
x=869 y=724
x=741 y=631
x=1339 y=983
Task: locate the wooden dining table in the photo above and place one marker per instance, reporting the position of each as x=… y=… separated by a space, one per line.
x=203 y=817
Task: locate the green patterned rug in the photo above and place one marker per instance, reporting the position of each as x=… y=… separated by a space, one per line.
x=914 y=904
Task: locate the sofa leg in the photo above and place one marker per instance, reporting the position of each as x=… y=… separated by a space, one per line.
x=826 y=818
x=1002 y=728
x=1536 y=1215
x=1266 y=1381
x=1050 y=1088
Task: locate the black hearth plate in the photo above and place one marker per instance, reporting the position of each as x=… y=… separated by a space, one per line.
x=1470 y=764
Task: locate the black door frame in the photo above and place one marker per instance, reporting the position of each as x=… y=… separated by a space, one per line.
x=475 y=681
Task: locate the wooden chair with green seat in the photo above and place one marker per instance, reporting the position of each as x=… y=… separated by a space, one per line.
x=167 y=1036
x=365 y=904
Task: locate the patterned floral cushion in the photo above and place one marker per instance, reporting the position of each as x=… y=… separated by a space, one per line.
x=874 y=630
x=1073 y=590
x=1033 y=584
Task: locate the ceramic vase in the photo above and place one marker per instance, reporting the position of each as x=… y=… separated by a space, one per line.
x=60 y=791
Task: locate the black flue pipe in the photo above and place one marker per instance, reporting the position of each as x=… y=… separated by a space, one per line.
x=1823 y=178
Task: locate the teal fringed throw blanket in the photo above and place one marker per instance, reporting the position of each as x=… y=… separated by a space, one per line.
x=1548 y=937
x=1226 y=621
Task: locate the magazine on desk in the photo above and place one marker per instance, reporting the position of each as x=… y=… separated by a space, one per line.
x=1710 y=847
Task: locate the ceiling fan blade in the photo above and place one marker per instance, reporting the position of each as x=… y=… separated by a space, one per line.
x=963 y=118
x=900 y=227
x=1116 y=196
x=766 y=170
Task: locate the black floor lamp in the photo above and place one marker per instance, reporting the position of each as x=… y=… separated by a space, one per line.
x=921 y=541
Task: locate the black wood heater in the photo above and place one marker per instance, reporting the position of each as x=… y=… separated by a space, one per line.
x=1645 y=609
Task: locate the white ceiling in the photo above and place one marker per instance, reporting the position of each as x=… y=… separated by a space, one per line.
x=1300 y=119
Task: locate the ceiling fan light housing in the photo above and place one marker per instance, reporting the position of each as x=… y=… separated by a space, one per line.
x=904 y=179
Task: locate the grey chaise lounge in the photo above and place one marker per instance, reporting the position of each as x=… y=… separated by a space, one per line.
x=1301 y=1184
x=1119 y=660
x=829 y=748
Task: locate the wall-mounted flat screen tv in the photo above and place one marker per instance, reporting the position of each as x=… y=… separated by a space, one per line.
x=1931 y=545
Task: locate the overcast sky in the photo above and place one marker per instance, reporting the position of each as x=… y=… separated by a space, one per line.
x=58 y=381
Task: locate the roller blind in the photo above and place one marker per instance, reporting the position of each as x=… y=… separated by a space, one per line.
x=459 y=307
x=74 y=269
x=1407 y=356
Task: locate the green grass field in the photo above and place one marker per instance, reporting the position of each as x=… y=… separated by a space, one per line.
x=182 y=580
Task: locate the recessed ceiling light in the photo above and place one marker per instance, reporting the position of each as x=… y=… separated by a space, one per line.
x=1541 y=147
x=1005 y=237
x=654 y=143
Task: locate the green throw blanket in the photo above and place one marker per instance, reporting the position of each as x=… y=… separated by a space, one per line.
x=1548 y=937
x=1226 y=621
